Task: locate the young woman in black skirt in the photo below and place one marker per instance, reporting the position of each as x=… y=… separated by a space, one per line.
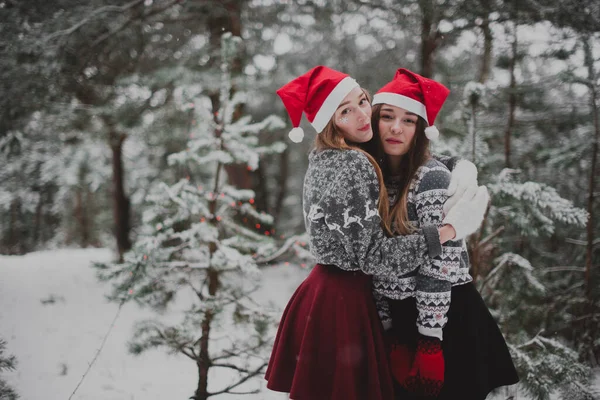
x=446 y=343
x=330 y=344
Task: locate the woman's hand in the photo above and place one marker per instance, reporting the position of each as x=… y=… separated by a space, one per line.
x=468 y=212
x=463 y=178
x=447 y=232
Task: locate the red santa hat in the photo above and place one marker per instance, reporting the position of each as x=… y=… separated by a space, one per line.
x=417 y=94
x=318 y=93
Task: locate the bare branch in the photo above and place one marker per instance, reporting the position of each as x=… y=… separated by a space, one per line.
x=198 y=292
x=533 y=341
x=250 y=392
x=183 y=347
x=286 y=246
x=491 y=275
x=228 y=354
x=581 y=242
x=491 y=236
x=107 y=35
x=187 y=18
x=99 y=11
x=231 y=366
x=189 y=352
x=585 y=82
x=563 y=269
x=125 y=24
x=251 y=374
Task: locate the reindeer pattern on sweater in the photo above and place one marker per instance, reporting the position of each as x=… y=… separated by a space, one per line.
x=340 y=198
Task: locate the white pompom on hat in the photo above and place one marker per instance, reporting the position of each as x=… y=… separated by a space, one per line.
x=318 y=93
x=296 y=135
x=432 y=132
x=415 y=93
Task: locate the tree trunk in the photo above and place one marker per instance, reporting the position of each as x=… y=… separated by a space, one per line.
x=281 y=184
x=77 y=216
x=261 y=193
x=90 y=226
x=473 y=130
x=212 y=276
x=227 y=18
x=81 y=216
x=478 y=252
x=429 y=37
x=589 y=61
x=203 y=362
x=38 y=236
x=512 y=100
x=486 y=60
x=14 y=229
x=121 y=205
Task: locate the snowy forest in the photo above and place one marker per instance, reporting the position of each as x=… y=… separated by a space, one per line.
x=151 y=128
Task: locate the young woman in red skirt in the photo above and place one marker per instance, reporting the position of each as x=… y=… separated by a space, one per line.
x=447 y=344
x=330 y=345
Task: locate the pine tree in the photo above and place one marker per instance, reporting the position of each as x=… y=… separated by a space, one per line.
x=7 y=363
x=194 y=243
x=52 y=174
x=523 y=296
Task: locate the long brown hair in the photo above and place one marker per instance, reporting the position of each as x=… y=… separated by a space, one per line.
x=332 y=138
x=417 y=155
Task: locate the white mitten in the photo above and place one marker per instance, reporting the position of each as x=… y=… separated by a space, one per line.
x=464 y=176
x=466 y=215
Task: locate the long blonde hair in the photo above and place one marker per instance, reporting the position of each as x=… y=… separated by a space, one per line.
x=397 y=218
x=332 y=138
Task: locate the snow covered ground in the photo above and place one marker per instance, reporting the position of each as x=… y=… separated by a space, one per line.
x=54 y=316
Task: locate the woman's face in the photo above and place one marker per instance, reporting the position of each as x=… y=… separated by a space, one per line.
x=353 y=117
x=397 y=128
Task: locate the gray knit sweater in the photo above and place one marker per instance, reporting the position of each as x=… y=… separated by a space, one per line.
x=431 y=284
x=340 y=199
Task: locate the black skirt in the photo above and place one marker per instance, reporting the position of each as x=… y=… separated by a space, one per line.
x=476 y=357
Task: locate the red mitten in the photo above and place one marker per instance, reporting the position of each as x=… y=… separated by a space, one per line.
x=401 y=359
x=426 y=376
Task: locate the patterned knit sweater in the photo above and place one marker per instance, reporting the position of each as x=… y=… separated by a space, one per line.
x=431 y=284
x=340 y=199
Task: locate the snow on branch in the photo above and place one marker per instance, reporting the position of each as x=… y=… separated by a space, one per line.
x=228 y=257
x=237 y=194
x=542 y=203
x=264 y=218
x=512 y=259
x=544 y=363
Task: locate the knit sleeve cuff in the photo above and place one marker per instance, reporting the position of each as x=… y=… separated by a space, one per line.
x=431 y=332
x=432 y=238
x=387 y=324
x=448 y=161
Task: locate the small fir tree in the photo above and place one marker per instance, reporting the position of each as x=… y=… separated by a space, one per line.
x=195 y=244
x=7 y=363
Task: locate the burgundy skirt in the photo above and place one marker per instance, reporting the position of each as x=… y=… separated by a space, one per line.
x=329 y=344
